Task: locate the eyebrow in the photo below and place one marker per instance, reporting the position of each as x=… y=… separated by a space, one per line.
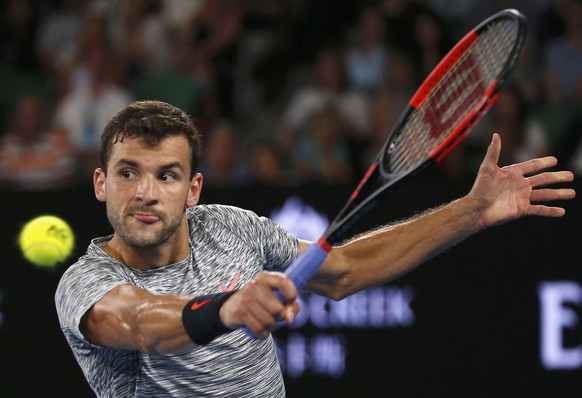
x=132 y=163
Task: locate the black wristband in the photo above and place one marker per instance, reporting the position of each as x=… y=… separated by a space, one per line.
x=201 y=317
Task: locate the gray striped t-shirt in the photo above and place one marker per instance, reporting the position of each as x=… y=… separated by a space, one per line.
x=229 y=247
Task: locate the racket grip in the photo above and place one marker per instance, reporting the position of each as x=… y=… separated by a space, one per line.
x=300 y=272
x=306 y=265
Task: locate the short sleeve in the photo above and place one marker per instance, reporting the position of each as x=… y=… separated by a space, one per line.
x=276 y=246
x=81 y=286
x=280 y=248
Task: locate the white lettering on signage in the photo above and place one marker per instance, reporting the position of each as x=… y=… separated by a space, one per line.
x=558 y=316
x=322 y=354
x=380 y=307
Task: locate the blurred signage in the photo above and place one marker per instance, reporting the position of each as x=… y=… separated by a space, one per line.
x=323 y=353
x=561 y=326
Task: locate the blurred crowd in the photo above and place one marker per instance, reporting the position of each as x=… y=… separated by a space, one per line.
x=283 y=91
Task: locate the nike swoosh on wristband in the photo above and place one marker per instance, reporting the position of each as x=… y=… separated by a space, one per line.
x=197 y=304
x=230 y=287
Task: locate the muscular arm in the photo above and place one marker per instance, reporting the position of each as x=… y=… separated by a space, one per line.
x=131 y=318
x=386 y=253
x=498 y=195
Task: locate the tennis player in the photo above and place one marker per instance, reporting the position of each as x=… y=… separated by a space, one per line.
x=156 y=308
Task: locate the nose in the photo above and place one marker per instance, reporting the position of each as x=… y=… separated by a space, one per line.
x=146 y=190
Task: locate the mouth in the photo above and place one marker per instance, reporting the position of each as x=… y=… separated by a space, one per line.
x=145 y=218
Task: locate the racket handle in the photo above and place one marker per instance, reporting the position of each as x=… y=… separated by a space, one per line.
x=306 y=265
x=300 y=272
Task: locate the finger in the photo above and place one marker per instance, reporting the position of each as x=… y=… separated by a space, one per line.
x=549 y=178
x=546 y=195
x=291 y=312
x=257 y=328
x=493 y=151
x=546 y=211
x=259 y=292
x=288 y=290
x=267 y=300
x=279 y=281
x=260 y=320
x=536 y=165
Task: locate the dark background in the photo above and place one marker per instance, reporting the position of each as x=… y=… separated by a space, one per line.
x=476 y=330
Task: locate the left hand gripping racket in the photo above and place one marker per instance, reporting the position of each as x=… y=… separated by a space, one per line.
x=446 y=106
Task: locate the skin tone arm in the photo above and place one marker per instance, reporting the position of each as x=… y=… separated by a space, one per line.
x=133 y=319
x=498 y=195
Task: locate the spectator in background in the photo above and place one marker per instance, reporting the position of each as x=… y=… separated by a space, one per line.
x=268 y=58
x=368 y=55
x=399 y=75
x=58 y=34
x=399 y=18
x=176 y=74
x=551 y=24
x=321 y=152
x=431 y=41
x=176 y=13
x=33 y=155
x=77 y=72
x=329 y=87
x=563 y=61
x=222 y=161
x=212 y=33
x=526 y=76
x=142 y=37
x=94 y=96
x=267 y=164
x=18 y=26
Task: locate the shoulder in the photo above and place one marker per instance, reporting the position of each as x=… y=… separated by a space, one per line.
x=93 y=272
x=86 y=282
x=245 y=224
x=228 y=215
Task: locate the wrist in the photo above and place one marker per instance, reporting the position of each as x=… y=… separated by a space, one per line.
x=201 y=317
x=470 y=212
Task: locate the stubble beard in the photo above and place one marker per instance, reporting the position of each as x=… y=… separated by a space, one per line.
x=143 y=238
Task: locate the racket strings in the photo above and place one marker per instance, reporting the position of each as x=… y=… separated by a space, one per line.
x=454 y=96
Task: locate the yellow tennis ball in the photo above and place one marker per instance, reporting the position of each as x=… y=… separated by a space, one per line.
x=46 y=240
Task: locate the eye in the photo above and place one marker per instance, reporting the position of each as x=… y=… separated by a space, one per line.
x=167 y=177
x=127 y=174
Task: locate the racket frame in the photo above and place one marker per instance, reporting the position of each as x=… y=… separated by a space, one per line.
x=353 y=210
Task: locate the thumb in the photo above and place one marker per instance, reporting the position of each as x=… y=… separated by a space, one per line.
x=493 y=151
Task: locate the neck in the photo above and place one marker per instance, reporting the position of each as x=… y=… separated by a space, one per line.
x=174 y=250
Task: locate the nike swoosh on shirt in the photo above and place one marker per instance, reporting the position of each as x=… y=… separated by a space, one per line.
x=198 y=304
x=230 y=287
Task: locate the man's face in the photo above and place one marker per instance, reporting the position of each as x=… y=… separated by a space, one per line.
x=147 y=189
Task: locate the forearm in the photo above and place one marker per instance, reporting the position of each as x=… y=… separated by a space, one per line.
x=158 y=328
x=166 y=323
x=132 y=319
x=384 y=254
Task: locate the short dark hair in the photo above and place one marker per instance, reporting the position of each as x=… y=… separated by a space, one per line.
x=151 y=121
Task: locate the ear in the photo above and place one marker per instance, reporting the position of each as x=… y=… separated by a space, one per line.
x=195 y=190
x=99 y=184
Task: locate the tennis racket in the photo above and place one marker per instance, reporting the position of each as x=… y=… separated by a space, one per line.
x=446 y=106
